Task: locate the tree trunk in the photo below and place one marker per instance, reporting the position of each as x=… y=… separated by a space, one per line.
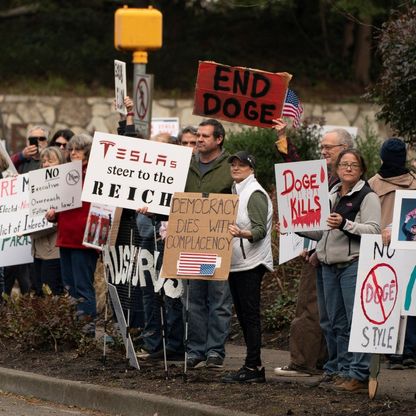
x=362 y=52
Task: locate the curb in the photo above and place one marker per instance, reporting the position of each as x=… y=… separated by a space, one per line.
x=106 y=399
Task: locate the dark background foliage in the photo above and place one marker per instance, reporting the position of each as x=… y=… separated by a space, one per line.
x=316 y=40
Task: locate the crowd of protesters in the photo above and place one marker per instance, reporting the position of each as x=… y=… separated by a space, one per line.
x=320 y=330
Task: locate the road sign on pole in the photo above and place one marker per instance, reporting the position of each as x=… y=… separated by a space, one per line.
x=143 y=91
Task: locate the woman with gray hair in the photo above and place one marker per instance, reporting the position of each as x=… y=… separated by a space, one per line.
x=47 y=268
x=77 y=261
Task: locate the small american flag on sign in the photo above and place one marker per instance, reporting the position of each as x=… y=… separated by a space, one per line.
x=196 y=264
x=292 y=108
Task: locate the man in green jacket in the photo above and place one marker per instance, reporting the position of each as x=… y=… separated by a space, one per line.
x=209 y=301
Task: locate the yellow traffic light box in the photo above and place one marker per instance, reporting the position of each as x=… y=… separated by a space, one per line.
x=137 y=29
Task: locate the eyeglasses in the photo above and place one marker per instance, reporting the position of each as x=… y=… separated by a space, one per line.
x=73 y=149
x=345 y=165
x=37 y=138
x=329 y=146
x=59 y=144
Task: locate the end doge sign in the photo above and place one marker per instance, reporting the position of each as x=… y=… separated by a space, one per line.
x=240 y=95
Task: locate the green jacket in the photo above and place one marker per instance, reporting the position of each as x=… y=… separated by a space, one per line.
x=217 y=180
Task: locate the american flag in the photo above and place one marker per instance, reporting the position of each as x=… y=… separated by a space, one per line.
x=292 y=108
x=196 y=264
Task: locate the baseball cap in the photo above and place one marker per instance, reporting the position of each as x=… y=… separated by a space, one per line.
x=243 y=157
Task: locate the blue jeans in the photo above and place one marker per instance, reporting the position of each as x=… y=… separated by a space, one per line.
x=209 y=318
x=331 y=366
x=339 y=291
x=77 y=268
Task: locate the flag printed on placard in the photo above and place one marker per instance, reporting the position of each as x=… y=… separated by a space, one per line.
x=197 y=264
x=292 y=108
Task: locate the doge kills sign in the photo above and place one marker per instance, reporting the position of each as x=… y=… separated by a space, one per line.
x=198 y=243
x=240 y=95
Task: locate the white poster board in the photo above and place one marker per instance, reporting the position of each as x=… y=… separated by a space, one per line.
x=14 y=208
x=132 y=173
x=302 y=195
x=291 y=246
x=165 y=125
x=403 y=233
x=120 y=84
x=57 y=187
x=378 y=296
x=15 y=250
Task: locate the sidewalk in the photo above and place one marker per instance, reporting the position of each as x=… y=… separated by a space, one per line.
x=397 y=384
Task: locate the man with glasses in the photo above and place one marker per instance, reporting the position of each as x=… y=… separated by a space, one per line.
x=305 y=345
x=28 y=159
x=188 y=137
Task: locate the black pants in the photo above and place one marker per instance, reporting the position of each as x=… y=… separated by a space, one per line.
x=20 y=273
x=48 y=272
x=245 y=289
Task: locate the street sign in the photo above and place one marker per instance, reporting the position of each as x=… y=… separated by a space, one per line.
x=143 y=91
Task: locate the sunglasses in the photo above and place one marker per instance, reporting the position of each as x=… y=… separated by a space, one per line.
x=59 y=144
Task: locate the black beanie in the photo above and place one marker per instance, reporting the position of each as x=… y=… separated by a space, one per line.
x=393 y=152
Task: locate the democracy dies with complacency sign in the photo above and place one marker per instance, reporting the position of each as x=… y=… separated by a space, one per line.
x=133 y=173
x=198 y=244
x=240 y=95
x=302 y=195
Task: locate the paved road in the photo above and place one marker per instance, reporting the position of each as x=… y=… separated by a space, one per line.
x=12 y=405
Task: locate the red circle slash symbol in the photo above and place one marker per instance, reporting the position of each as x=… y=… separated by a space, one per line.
x=142 y=98
x=379 y=293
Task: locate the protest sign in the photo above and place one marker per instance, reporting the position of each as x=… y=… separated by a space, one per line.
x=165 y=125
x=120 y=83
x=239 y=95
x=291 y=246
x=14 y=208
x=403 y=233
x=302 y=195
x=57 y=187
x=99 y=222
x=10 y=170
x=198 y=243
x=132 y=173
x=15 y=250
x=378 y=296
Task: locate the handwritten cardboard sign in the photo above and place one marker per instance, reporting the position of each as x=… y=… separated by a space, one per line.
x=198 y=243
x=120 y=84
x=132 y=173
x=15 y=250
x=302 y=195
x=239 y=95
x=57 y=187
x=378 y=296
x=14 y=208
